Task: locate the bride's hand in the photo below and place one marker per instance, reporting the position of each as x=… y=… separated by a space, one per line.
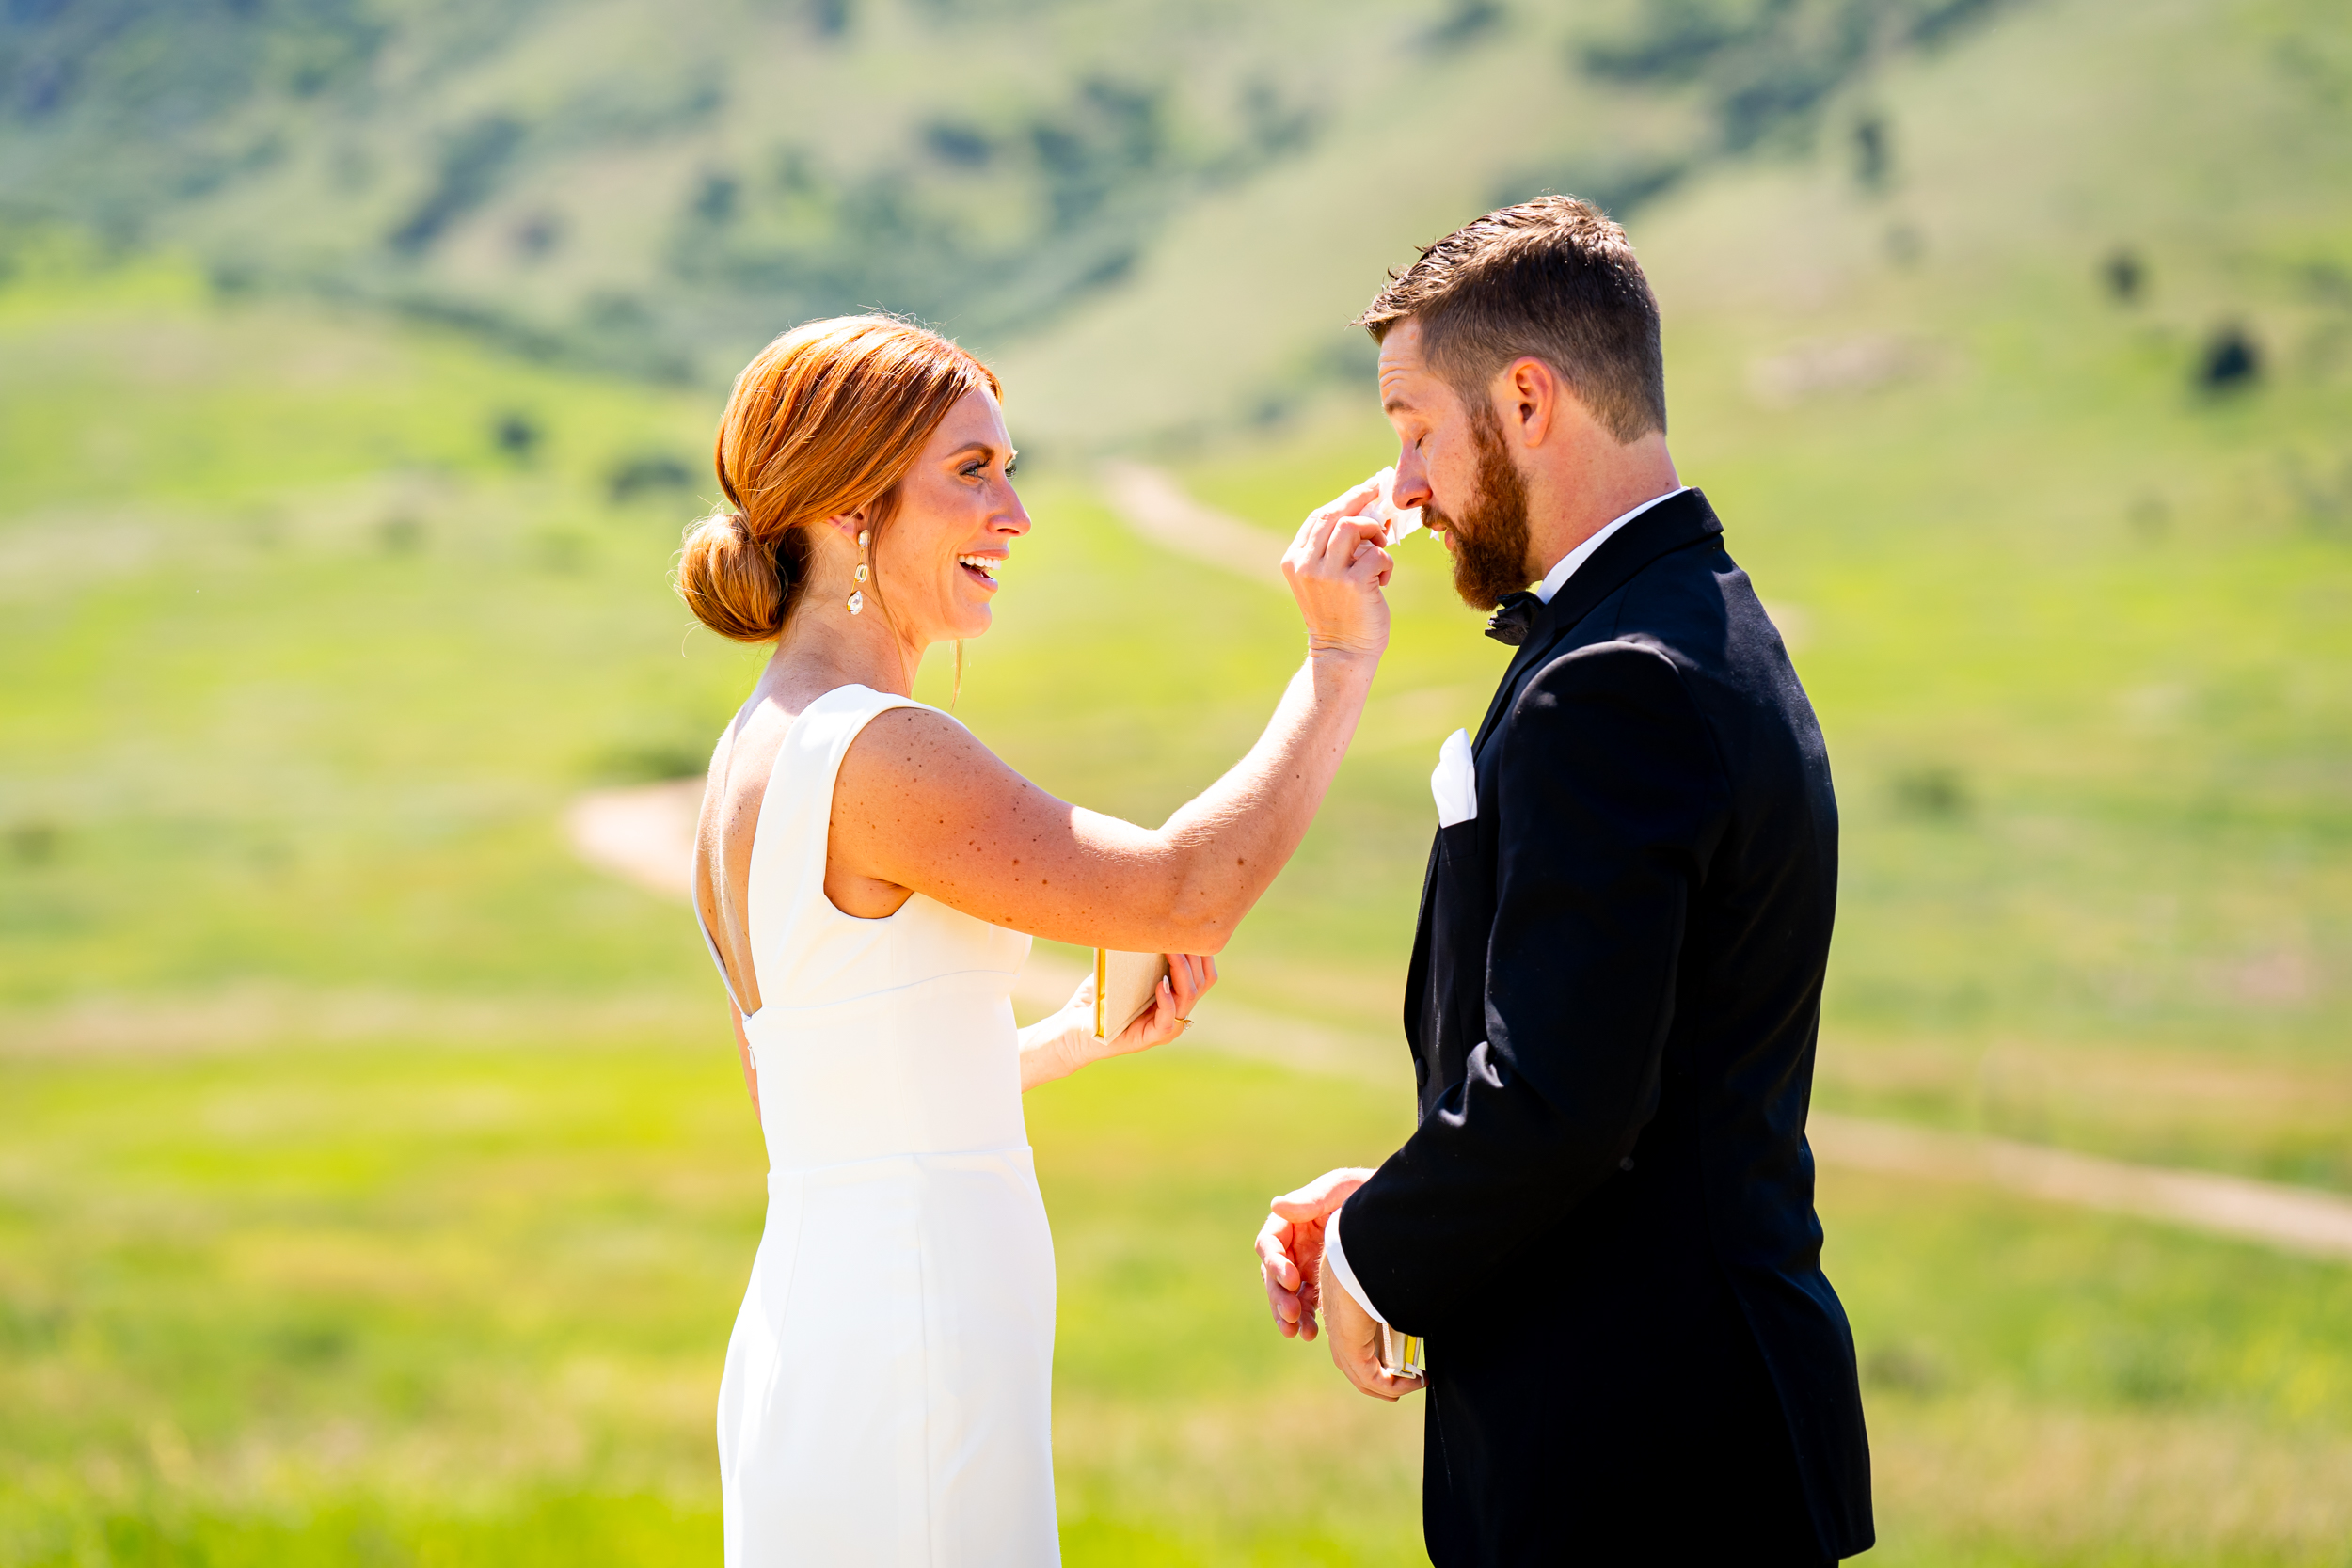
x=1336 y=568
x=1187 y=980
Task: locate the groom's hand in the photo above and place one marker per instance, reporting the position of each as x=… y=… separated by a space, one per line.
x=1290 y=1247
x=1355 y=1344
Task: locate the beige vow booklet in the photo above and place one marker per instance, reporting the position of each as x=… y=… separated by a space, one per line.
x=1124 y=984
x=1402 y=1356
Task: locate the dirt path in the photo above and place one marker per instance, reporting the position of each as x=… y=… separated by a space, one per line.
x=2298 y=1219
x=647 y=835
x=644 y=834
x=1152 y=502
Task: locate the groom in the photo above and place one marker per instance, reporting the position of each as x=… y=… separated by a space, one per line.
x=1604 y=1225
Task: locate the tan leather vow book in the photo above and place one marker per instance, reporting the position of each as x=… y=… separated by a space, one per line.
x=1124 y=984
x=1402 y=1354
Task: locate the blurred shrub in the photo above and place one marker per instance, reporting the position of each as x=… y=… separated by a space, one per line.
x=33 y=843
x=516 y=435
x=2124 y=274
x=651 y=762
x=2231 y=361
x=1937 y=793
x=1902 y=1367
x=633 y=476
x=473 y=157
x=1762 y=64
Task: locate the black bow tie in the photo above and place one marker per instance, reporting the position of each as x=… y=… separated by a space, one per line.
x=1514 y=618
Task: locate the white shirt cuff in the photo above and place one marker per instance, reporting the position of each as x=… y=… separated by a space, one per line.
x=1337 y=1259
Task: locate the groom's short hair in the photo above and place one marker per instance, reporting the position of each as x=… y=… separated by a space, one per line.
x=1553 y=278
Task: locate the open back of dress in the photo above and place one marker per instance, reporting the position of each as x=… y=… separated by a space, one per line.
x=887 y=1397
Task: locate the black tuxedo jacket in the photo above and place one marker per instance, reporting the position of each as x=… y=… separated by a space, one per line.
x=1604 y=1224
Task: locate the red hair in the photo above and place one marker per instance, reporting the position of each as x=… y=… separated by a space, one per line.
x=825 y=422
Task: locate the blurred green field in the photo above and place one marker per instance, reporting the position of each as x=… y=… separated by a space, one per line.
x=375 y=1183
x=415 y=1303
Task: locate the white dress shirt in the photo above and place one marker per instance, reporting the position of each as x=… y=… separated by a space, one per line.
x=1553 y=581
x=1565 y=568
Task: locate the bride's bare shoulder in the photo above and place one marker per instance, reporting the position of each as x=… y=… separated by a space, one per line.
x=916 y=751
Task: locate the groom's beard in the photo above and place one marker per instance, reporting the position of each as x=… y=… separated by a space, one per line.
x=1490 y=537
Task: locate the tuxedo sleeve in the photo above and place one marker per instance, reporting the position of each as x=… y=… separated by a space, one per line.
x=1610 y=801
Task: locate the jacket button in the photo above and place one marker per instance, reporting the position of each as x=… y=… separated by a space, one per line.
x=1626 y=1164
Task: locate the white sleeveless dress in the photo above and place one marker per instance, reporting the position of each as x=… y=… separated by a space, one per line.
x=887 y=1397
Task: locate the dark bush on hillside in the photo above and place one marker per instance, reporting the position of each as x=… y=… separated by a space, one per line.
x=650 y=762
x=1087 y=150
x=1617 y=185
x=163 y=65
x=538 y=234
x=1093 y=175
x=1936 y=793
x=1902 y=1367
x=516 y=434
x=715 y=199
x=633 y=476
x=962 y=146
x=33 y=843
x=2125 y=274
x=1873 y=152
x=472 y=159
x=1275 y=126
x=1463 y=21
x=2231 y=361
x=1768 y=63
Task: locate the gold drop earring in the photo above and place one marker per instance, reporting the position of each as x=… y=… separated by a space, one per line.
x=857 y=595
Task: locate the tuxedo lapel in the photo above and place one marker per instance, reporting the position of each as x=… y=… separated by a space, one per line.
x=1417 y=970
x=1670 y=524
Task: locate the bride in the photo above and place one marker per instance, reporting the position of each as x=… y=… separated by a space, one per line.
x=868 y=876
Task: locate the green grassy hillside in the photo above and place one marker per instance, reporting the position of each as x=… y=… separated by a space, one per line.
x=374 y=1183
x=660 y=189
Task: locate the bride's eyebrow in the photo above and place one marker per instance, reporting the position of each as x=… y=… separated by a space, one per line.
x=972 y=449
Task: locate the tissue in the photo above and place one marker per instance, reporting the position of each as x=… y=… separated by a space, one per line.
x=1400 y=524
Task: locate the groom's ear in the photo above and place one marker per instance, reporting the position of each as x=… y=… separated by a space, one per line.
x=1527 y=396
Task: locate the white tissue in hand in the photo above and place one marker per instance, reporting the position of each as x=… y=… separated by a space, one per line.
x=1455 y=781
x=1400 y=524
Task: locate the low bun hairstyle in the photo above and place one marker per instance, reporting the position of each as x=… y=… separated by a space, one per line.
x=825 y=422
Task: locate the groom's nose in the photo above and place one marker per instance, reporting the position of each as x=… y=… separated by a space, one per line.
x=1412 y=481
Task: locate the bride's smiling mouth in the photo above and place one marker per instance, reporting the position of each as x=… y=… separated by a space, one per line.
x=981 y=568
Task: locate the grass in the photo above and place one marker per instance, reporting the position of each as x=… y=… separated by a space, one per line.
x=419 y=1304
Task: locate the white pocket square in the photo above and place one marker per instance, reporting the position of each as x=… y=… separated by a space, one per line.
x=1455 y=781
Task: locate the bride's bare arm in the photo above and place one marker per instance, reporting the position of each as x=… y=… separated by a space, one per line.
x=922 y=805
